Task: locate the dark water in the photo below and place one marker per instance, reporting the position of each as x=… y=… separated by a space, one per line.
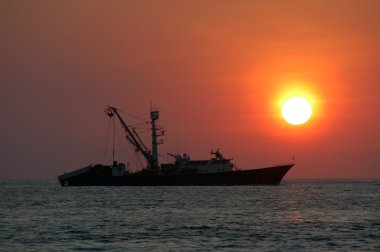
x=299 y=215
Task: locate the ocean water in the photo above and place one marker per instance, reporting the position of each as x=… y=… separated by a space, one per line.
x=298 y=215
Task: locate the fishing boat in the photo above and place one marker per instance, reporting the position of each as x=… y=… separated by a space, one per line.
x=183 y=171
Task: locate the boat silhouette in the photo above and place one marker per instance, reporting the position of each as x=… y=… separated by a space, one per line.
x=183 y=171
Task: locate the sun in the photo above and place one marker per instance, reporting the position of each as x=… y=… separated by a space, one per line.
x=296 y=110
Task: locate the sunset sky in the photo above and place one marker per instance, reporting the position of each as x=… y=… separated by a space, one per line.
x=218 y=71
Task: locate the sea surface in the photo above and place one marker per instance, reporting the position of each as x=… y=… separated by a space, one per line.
x=298 y=215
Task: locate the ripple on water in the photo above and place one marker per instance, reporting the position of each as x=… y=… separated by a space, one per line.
x=302 y=215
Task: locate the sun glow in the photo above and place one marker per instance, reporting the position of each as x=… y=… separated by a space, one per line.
x=296 y=110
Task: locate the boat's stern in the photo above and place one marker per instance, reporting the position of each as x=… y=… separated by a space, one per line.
x=65 y=178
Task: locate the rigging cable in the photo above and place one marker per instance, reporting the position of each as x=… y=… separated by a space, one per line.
x=136 y=117
x=113 y=142
x=108 y=134
x=136 y=159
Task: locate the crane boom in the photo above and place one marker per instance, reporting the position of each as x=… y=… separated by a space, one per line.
x=132 y=137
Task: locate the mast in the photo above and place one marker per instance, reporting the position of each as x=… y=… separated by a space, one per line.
x=157 y=131
x=154 y=115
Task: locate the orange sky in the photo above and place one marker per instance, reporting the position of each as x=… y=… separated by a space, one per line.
x=218 y=71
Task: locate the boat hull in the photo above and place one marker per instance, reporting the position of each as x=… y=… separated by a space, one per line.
x=263 y=176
